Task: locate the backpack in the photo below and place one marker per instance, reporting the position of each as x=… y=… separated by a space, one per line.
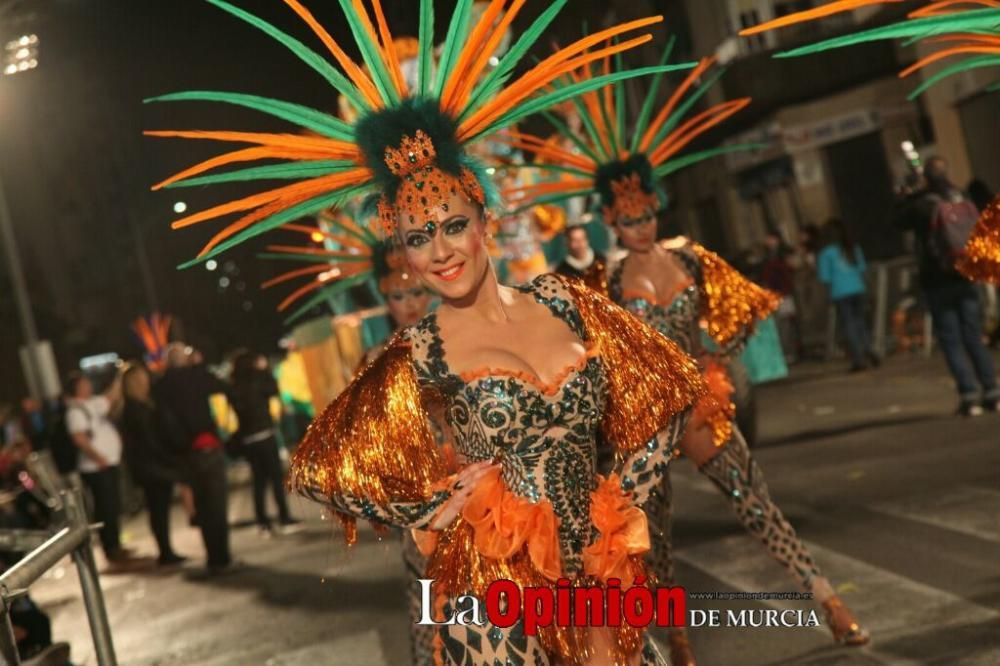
x=951 y=226
x=65 y=452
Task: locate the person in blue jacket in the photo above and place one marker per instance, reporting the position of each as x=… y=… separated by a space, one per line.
x=841 y=267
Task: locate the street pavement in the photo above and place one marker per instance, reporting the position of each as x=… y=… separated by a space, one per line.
x=898 y=501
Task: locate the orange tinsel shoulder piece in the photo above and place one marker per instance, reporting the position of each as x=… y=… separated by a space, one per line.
x=374 y=440
x=981 y=261
x=733 y=304
x=650 y=379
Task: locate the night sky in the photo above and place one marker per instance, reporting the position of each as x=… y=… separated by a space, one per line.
x=77 y=170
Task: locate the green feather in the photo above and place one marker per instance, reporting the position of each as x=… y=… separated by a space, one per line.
x=683 y=162
x=964 y=65
x=993 y=88
x=284 y=171
x=968 y=21
x=310 y=258
x=647 y=104
x=308 y=207
x=564 y=131
x=303 y=116
x=588 y=124
x=458 y=32
x=425 y=59
x=612 y=134
x=304 y=53
x=370 y=54
x=548 y=167
x=685 y=106
x=365 y=235
x=620 y=100
x=495 y=79
x=555 y=97
x=326 y=292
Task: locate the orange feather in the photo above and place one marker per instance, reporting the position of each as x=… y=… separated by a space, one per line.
x=535 y=79
x=473 y=46
x=694 y=127
x=946 y=7
x=387 y=48
x=298 y=272
x=357 y=76
x=671 y=104
x=822 y=11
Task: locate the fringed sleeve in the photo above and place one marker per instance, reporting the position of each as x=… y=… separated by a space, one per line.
x=651 y=387
x=372 y=453
x=732 y=304
x=981 y=261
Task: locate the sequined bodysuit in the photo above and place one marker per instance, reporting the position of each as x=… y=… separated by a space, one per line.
x=733 y=470
x=544 y=437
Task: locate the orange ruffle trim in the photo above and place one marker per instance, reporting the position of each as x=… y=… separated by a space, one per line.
x=624 y=533
x=547 y=388
x=503 y=535
x=716 y=409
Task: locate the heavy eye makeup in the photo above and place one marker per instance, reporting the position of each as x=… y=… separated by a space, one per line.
x=454 y=226
x=635 y=222
x=417 y=238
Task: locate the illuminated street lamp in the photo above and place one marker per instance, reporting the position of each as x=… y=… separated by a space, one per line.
x=20 y=55
x=37 y=360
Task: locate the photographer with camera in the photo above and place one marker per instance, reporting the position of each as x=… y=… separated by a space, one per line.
x=942 y=218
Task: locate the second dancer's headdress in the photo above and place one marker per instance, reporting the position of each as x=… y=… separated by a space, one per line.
x=624 y=171
x=408 y=145
x=341 y=254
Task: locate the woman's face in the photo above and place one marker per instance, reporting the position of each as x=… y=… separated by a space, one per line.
x=406 y=298
x=637 y=234
x=447 y=253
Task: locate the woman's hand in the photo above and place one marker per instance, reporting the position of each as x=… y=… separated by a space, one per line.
x=465 y=482
x=698 y=444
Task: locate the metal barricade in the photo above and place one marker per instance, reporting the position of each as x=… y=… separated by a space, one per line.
x=47 y=548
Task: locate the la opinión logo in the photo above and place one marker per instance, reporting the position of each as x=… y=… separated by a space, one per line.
x=638 y=605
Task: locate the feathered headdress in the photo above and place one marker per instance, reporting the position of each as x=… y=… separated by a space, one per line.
x=153 y=333
x=624 y=171
x=968 y=28
x=408 y=144
x=342 y=254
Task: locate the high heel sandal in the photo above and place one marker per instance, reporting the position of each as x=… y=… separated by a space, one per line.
x=843 y=624
x=680 y=649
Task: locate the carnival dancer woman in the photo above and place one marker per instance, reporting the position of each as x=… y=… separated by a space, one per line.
x=529 y=377
x=673 y=286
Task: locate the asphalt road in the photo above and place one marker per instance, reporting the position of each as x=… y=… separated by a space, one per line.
x=899 y=502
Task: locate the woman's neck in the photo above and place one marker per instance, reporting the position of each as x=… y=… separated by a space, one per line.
x=488 y=299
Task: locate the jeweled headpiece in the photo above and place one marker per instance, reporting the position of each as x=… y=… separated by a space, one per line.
x=466 y=99
x=623 y=169
x=626 y=188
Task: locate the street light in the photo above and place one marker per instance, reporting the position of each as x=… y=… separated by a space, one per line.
x=37 y=360
x=20 y=55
